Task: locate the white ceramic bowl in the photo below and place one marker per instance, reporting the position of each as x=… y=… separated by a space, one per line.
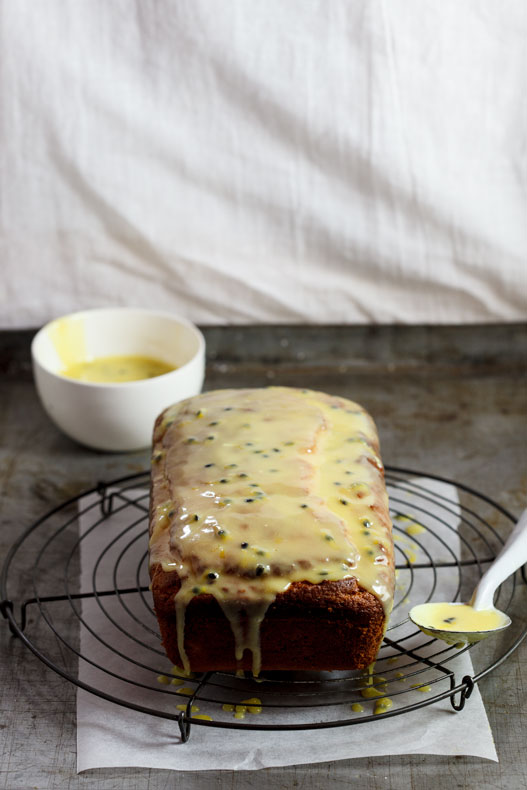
x=116 y=417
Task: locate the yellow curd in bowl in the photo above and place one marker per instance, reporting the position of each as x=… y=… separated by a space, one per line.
x=117 y=369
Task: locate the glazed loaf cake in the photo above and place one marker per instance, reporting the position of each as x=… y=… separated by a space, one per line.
x=270 y=538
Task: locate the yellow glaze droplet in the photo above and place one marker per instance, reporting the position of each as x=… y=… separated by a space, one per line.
x=254 y=705
x=116 y=369
x=228 y=708
x=405 y=517
x=414 y=529
x=370 y=692
x=424 y=688
x=203 y=717
x=193 y=708
x=357 y=707
x=163 y=680
x=382 y=705
x=187 y=691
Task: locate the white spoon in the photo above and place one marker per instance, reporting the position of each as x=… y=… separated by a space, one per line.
x=457 y=623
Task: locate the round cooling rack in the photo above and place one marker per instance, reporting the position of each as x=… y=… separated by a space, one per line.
x=86 y=612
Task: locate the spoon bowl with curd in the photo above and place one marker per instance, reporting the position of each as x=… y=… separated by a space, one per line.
x=467 y=623
x=104 y=375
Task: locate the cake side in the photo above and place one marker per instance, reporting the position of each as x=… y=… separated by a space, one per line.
x=257 y=551
x=328 y=626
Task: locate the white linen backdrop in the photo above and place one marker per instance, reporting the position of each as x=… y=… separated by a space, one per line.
x=264 y=160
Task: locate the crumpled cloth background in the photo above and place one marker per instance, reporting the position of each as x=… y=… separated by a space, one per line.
x=245 y=162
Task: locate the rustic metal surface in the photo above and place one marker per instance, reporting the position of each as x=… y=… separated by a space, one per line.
x=448 y=400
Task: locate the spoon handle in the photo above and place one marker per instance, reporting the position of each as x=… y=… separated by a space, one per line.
x=512 y=556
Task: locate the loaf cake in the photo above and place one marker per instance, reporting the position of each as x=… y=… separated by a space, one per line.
x=270 y=538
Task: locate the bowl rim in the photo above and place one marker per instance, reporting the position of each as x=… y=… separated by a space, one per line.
x=122 y=309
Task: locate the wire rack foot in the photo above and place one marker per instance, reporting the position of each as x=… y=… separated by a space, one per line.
x=6 y=608
x=466 y=691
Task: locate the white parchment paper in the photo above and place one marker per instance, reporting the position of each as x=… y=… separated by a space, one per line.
x=118 y=633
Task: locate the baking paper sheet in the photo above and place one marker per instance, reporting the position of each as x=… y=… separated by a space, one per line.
x=109 y=735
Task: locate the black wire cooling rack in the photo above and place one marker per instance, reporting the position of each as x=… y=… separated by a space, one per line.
x=88 y=614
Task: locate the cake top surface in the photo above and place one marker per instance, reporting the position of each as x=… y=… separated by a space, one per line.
x=259 y=488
